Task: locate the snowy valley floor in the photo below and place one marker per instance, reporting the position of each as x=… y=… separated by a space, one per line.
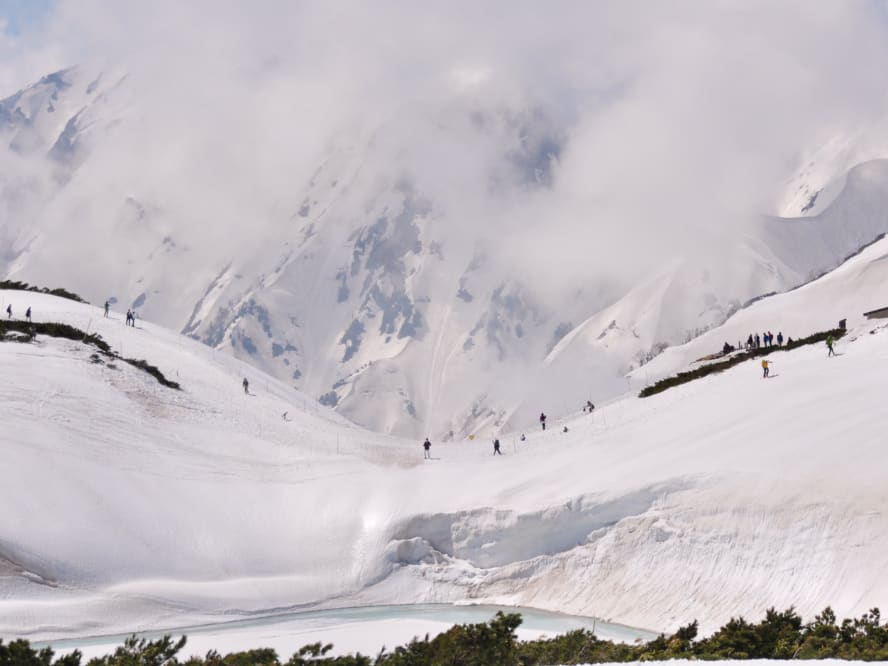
x=129 y=506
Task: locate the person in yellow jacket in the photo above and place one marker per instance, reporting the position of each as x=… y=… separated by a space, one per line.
x=764 y=368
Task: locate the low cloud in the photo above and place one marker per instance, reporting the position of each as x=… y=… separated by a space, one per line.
x=661 y=129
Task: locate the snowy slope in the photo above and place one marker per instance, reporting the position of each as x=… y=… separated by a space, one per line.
x=134 y=506
x=410 y=299
x=787 y=252
x=857 y=286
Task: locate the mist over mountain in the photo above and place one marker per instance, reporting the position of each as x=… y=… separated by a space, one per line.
x=441 y=221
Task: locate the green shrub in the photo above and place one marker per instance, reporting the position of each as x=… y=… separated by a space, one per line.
x=153 y=371
x=24 y=286
x=780 y=635
x=20 y=653
x=142 y=652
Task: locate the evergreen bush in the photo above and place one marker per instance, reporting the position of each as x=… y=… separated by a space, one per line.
x=779 y=635
x=58 y=291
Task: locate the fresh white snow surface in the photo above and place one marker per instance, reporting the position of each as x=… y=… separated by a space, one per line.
x=126 y=505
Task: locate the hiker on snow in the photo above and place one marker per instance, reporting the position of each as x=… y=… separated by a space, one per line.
x=589 y=406
x=427 y=447
x=543 y=420
x=107 y=305
x=829 y=343
x=246 y=385
x=765 y=368
x=9 y=311
x=28 y=313
x=523 y=438
x=129 y=318
x=779 y=338
x=496 y=450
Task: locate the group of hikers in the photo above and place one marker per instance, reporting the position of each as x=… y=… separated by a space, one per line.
x=130 y=314
x=753 y=342
x=497 y=450
x=9 y=312
x=766 y=364
x=756 y=341
x=427 y=448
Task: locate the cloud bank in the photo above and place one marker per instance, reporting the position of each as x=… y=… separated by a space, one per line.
x=660 y=129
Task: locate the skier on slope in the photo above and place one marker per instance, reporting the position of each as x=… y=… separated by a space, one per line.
x=427 y=448
x=765 y=368
x=496 y=448
x=246 y=385
x=829 y=343
x=543 y=420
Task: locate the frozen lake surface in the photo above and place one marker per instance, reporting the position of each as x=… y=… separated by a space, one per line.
x=365 y=629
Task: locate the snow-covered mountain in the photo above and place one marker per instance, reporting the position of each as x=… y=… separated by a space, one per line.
x=161 y=508
x=413 y=299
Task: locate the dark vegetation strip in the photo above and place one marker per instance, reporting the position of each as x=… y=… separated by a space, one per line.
x=24 y=331
x=24 y=286
x=780 y=635
x=740 y=357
